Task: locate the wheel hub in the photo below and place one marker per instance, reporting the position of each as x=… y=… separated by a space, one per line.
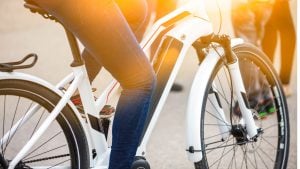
x=3 y=162
x=240 y=134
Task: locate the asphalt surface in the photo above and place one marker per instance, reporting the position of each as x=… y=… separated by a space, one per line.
x=22 y=32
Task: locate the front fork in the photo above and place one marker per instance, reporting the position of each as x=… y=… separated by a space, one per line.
x=239 y=89
x=232 y=63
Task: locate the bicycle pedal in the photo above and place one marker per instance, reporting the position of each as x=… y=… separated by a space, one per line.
x=107 y=111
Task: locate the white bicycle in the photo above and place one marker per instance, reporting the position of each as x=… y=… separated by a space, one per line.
x=237 y=115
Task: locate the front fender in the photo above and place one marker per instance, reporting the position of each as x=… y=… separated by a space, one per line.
x=195 y=101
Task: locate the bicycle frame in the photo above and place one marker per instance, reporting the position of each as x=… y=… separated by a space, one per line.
x=190 y=23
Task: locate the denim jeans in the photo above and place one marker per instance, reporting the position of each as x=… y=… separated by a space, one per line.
x=103 y=30
x=137 y=17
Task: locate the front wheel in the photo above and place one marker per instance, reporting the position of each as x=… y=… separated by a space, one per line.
x=24 y=106
x=233 y=149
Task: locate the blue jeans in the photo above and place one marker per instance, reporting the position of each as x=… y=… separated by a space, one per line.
x=103 y=30
x=137 y=17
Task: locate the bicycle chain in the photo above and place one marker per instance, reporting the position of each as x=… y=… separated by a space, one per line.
x=45 y=159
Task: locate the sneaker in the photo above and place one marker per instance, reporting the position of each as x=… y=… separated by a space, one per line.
x=107 y=111
x=265 y=108
x=262 y=102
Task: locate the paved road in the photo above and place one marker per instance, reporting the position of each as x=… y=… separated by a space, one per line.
x=22 y=32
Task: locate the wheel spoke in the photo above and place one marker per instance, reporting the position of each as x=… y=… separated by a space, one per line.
x=47 y=158
x=221 y=145
x=254 y=157
x=59 y=163
x=273 y=125
x=222 y=155
x=12 y=123
x=270 y=144
x=220 y=158
x=244 y=157
x=266 y=154
x=215 y=135
x=10 y=138
x=262 y=89
x=276 y=137
x=45 y=152
x=207 y=124
x=216 y=116
x=47 y=141
x=231 y=161
x=249 y=160
x=3 y=123
x=228 y=103
x=23 y=107
x=37 y=123
x=262 y=160
x=221 y=86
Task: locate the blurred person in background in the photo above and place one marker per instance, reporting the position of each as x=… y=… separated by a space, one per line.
x=281 y=22
x=248 y=20
x=259 y=22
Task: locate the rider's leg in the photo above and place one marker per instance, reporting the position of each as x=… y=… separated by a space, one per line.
x=138 y=23
x=103 y=30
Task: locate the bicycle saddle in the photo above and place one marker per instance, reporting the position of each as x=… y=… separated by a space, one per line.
x=35 y=8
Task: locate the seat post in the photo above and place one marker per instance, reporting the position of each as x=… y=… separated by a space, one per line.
x=35 y=8
x=75 y=49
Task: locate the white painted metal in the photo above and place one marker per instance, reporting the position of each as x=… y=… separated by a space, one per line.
x=195 y=8
x=224 y=125
x=236 y=41
x=86 y=94
x=61 y=104
x=34 y=79
x=66 y=81
x=98 y=140
x=110 y=89
x=142 y=148
x=195 y=103
x=203 y=28
x=19 y=124
x=187 y=31
x=239 y=88
x=104 y=160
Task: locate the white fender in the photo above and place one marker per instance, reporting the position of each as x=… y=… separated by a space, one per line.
x=195 y=101
x=27 y=77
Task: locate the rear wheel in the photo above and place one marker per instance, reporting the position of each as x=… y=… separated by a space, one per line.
x=62 y=145
x=264 y=92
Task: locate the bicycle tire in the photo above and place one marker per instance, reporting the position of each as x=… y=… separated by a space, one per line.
x=64 y=142
x=269 y=151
